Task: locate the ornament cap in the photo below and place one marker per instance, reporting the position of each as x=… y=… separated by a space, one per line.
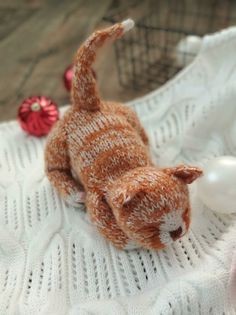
x=35 y=107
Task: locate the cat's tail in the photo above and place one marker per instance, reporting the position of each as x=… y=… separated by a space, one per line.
x=84 y=91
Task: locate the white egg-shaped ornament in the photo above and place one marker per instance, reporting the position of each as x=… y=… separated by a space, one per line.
x=187 y=49
x=217 y=187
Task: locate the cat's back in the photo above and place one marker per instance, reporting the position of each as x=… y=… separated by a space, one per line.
x=106 y=125
x=102 y=140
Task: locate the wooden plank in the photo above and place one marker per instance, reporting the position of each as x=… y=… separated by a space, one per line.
x=36 y=53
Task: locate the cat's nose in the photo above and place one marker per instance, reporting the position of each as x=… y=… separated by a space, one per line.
x=176 y=233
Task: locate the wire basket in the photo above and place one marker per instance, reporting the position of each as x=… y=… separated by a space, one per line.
x=149 y=56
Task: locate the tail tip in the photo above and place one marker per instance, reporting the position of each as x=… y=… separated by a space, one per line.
x=127 y=24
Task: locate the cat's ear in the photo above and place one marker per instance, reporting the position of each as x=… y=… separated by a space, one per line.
x=186 y=173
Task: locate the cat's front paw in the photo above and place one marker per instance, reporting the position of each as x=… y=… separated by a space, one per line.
x=76 y=199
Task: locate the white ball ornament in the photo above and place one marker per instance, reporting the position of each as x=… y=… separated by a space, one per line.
x=187 y=49
x=217 y=187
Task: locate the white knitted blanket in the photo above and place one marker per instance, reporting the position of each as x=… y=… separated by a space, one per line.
x=52 y=260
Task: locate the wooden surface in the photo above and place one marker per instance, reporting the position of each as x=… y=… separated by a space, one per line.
x=37 y=42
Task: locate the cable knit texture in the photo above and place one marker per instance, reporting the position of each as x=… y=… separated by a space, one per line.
x=52 y=259
x=103 y=146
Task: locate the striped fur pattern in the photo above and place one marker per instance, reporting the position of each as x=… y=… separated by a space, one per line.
x=100 y=148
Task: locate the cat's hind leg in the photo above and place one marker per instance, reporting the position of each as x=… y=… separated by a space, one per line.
x=58 y=167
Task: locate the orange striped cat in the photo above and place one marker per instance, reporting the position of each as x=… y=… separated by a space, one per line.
x=101 y=147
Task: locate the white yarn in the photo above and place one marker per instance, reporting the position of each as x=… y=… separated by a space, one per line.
x=128 y=24
x=54 y=262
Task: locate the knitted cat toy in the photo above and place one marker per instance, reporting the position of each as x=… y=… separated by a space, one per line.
x=101 y=147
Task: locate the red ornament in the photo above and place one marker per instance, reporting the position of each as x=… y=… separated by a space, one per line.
x=67 y=77
x=37 y=115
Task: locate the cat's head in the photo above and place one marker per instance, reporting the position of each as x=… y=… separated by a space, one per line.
x=151 y=205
